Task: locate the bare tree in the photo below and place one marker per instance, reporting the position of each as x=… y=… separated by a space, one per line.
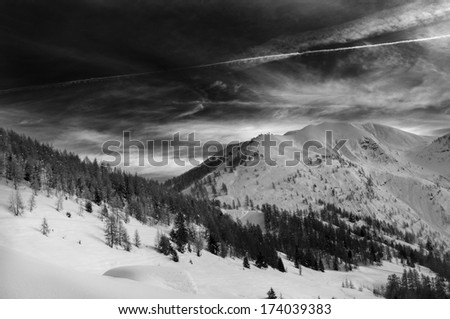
x=59 y=202
x=32 y=202
x=198 y=244
x=16 y=206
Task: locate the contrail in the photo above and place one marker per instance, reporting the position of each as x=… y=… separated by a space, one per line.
x=258 y=59
x=275 y=57
x=385 y=44
x=236 y=62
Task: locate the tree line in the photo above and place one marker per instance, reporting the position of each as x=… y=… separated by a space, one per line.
x=412 y=285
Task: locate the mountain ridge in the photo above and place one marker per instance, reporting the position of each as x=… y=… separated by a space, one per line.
x=377 y=173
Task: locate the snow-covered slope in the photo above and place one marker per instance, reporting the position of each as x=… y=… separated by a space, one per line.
x=383 y=172
x=436 y=157
x=74 y=262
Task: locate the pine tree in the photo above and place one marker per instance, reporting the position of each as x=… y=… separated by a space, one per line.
x=223 y=249
x=2 y=162
x=175 y=257
x=164 y=245
x=246 y=264
x=121 y=232
x=111 y=232
x=321 y=266
x=261 y=261
x=32 y=202
x=392 y=287
x=44 y=227
x=16 y=170
x=88 y=206
x=179 y=233
x=297 y=258
x=137 y=239
x=135 y=209
x=335 y=264
x=103 y=213
x=126 y=241
x=440 y=286
x=271 y=294
x=212 y=245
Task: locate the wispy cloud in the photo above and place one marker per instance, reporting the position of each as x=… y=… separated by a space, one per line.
x=200 y=107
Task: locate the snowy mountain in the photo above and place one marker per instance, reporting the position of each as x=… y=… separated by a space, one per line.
x=324 y=210
x=381 y=172
x=71 y=241
x=440 y=145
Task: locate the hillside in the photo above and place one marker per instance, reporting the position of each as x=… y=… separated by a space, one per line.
x=35 y=266
x=381 y=172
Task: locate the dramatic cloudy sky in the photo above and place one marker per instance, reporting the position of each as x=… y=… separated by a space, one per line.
x=46 y=42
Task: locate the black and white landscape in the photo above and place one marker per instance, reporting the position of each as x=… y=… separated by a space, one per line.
x=368 y=219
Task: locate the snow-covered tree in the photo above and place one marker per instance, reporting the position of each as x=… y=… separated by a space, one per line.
x=125 y=239
x=179 y=233
x=111 y=232
x=198 y=244
x=137 y=239
x=103 y=212
x=164 y=245
x=44 y=227
x=120 y=230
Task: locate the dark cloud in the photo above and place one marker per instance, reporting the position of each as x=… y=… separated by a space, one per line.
x=47 y=41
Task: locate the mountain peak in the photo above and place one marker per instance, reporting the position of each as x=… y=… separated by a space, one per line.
x=387 y=135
